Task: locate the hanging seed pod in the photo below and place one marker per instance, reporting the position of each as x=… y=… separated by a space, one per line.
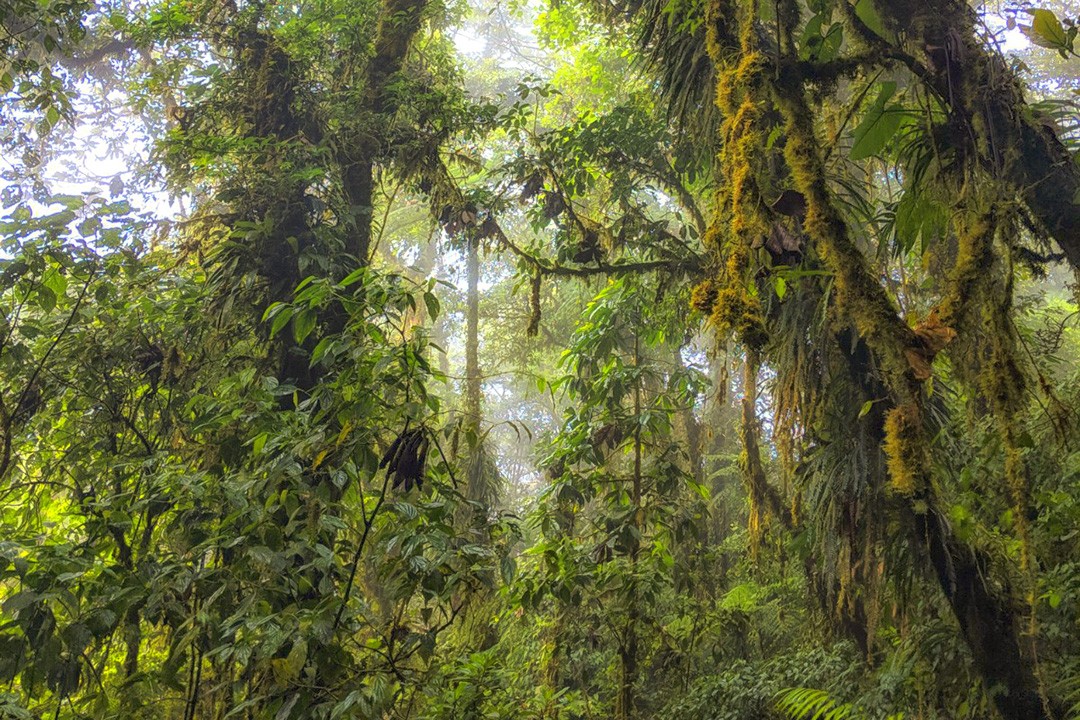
x=406 y=459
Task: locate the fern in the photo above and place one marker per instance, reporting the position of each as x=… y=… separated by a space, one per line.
x=814 y=704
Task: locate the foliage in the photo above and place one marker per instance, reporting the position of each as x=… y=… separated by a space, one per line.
x=704 y=360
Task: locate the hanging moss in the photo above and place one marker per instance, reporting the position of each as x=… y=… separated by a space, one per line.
x=905 y=448
x=703 y=296
x=898 y=347
x=974 y=258
x=533 y=328
x=728 y=298
x=1003 y=381
x=979 y=299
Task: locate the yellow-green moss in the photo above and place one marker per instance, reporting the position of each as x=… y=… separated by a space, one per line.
x=974 y=256
x=858 y=291
x=735 y=311
x=703 y=296
x=728 y=297
x=905 y=449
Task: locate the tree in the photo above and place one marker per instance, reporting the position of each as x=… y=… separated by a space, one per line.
x=233 y=486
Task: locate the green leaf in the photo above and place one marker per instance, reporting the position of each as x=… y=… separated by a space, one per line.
x=46 y=299
x=878 y=125
x=865 y=11
x=281 y=314
x=303 y=324
x=89 y=226
x=830 y=44
x=507 y=569
x=71 y=202
x=781 y=287
x=701 y=490
x=432 y=304
x=297 y=657
x=866 y=408
x=20 y=600
x=320 y=350
x=55 y=282
x=1046 y=30
x=352 y=277
x=285 y=711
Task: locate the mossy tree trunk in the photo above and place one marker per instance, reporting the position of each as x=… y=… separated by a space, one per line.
x=942 y=45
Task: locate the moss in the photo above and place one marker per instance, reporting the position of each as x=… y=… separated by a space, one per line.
x=858 y=291
x=974 y=258
x=905 y=449
x=734 y=311
x=714 y=238
x=728 y=297
x=703 y=296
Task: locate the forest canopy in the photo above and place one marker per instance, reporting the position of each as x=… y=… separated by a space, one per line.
x=634 y=359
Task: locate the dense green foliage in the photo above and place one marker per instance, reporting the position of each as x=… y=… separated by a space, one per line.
x=403 y=359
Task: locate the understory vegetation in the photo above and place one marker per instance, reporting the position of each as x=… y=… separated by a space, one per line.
x=667 y=359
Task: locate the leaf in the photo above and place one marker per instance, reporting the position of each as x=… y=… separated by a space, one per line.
x=507 y=569
x=89 y=226
x=286 y=709
x=352 y=277
x=878 y=125
x=46 y=299
x=830 y=43
x=303 y=324
x=865 y=11
x=273 y=309
x=320 y=350
x=20 y=600
x=71 y=202
x=781 y=287
x=55 y=282
x=297 y=658
x=919 y=362
x=866 y=408
x=1046 y=30
x=282 y=314
x=432 y=304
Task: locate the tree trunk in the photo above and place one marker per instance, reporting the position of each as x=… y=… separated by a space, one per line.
x=399 y=21
x=944 y=48
x=989 y=621
x=625 y=708
x=472 y=336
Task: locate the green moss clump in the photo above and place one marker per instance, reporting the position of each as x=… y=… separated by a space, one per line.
x=734 y=311
x=703 y=296
x=905 y=449
x=740 y=87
